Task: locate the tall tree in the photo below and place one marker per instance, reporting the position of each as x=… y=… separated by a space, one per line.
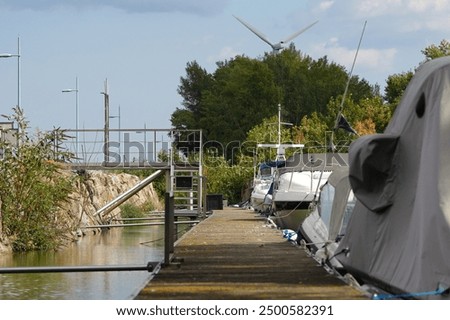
x=395 y=86
x=197 y=80
x=306 y=85
x=191 y=88
x=397 y=83
x=242 y=95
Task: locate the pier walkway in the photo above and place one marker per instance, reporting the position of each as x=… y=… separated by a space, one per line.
x=234 y=254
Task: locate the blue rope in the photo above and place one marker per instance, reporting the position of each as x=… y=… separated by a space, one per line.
x=408 y=295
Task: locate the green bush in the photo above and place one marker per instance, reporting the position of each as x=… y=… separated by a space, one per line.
x=128 y=211
x=33 y=188
x=225 y=179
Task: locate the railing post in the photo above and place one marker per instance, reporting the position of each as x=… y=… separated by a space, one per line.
x=106 y=127
x=1 y=219
x=169 y=228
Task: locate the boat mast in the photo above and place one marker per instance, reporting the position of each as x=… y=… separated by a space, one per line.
x=341 y=107
x=281 y=147
x=279 y=124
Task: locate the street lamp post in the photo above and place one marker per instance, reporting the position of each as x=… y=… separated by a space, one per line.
x=10 y=55
x=76 y=113
x=106 y=130
x=113 y=117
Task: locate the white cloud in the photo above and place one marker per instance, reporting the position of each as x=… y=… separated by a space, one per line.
x=226 y=53
x=419 y=5
x=325 y=5
x=373 y=8
x=440 y=23
x=427 y=5
x=404 y=16
x=199 y=7
x=369 y=59
x=376 y=7
x=377 y=59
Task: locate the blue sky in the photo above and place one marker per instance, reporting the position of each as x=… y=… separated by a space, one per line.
x=142 y=47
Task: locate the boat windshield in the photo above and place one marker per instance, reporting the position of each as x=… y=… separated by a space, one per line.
x=266 y=172
x=326 y=203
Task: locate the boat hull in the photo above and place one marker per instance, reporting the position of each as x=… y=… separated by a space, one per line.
x=260 y=200
x=293 y=196
x=290 y=219
x=314 y=234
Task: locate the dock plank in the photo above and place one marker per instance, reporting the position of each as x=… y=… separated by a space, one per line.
x=234 y=254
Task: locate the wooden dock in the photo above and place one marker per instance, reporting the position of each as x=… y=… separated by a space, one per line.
x=235 y=254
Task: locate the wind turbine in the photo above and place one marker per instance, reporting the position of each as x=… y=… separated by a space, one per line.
x=275 y=46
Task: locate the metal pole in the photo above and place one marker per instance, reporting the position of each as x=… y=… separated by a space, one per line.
x=145 y=142
x=127 y=194
x=155 y=158
x=201 y=201
x=120 y=145
x=106 y=127
x=76 y=113
x=76 y=117
x=140 y=224
x=279 y=124
x=9 y=55
x=58 y=269
x=18 y=71
x=169 y=228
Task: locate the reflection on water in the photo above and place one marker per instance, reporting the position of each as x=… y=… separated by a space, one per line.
x=114 y=247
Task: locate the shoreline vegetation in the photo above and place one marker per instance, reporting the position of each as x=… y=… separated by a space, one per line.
x=43 y=205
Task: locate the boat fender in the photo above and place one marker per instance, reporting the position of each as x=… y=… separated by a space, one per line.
x=289 y=234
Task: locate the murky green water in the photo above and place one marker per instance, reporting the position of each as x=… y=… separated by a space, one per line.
x=114 y=247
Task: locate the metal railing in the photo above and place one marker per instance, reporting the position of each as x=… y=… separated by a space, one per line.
x=119 y=147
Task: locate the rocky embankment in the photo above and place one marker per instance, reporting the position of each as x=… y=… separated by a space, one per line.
x=93 y=190
x=96 y=188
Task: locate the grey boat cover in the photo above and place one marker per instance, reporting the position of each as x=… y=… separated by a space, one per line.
x=339 y=180
x=398 y=237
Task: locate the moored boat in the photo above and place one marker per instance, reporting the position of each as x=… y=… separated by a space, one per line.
x=293 y=193
x=261 y=196
x=397 y=240
x=297 y=186
x=321 y=232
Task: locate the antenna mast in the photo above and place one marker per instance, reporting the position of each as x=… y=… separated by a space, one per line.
x=349 y=78
x=341 y=107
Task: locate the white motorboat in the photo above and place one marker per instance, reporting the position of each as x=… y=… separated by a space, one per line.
x=292 y=196
x=261 y=196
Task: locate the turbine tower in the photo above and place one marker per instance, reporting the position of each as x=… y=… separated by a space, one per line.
x=276 y=47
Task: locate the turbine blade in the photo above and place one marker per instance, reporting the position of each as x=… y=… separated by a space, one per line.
x=261 y=35
x=296 y=34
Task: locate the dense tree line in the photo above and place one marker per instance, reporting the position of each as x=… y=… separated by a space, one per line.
x=242 y=92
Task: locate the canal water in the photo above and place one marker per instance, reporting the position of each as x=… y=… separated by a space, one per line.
x=118 y=246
